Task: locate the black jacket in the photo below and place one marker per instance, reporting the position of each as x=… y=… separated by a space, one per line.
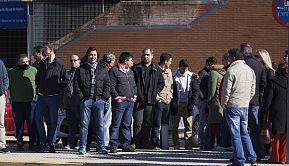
x=204 y=82
x=82 y=81
x=260 y=73
x=156 y=84
x=193 y=95
x=275 y=101
x=122 y=84
x=51 y=77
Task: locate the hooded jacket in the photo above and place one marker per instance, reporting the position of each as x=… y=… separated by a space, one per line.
x=215 y=108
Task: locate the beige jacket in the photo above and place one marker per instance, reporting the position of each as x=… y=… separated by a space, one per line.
x=238 y=85
x=167 y=93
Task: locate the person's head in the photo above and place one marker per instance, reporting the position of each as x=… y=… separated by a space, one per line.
x=225 y=59
x=265 y=58
x=245 y=48
x=23 y=61
x=74 y=61
x=109 y=59
x=49 y=49
x=126 y=59
x=147 y=56
x=282 y=68
x=183 y=66
x=211 y=61
x=91 y=55
x=235 y=54
x=166 y=60
x=38 y=53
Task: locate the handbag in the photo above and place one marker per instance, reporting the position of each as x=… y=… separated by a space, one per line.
x=266 y=131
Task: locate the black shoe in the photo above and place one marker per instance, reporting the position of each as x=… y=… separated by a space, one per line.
x=41 y=148
x=128 y=149
x=88 y=148
x=231 y=159
x=5 y=150
x=253 y=163
x=113 y=149
x=52 y=148
x=20 y=148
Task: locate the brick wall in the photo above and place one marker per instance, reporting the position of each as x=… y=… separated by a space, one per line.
x=237 y=22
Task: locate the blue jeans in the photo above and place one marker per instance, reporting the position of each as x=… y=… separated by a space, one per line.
x=121 y=122
x=47 y=106
x=24 y=111
x=254 y=128
x=160 y=117
x=107 y=121
x=94 y=109
x=203 y=139
x=237 y=119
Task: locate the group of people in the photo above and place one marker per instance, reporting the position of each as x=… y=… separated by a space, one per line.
x=102 y=97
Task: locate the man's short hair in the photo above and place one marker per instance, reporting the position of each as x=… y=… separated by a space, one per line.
x=226 y=56
x=236 y=54
x=184 y=63
x=211 y=61
x=108 y=57
x=38 y=49
x=165 y=57
x=50 y=46
x=246 y=48
x=151 y=50
x=124 y=56
x=23 y=55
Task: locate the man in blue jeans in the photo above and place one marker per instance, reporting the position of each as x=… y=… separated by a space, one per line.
x=92 y=85
x=238 y=89
x=50 y=79
x=123 y=93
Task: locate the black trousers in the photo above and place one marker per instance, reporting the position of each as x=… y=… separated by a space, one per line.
x=142 y=125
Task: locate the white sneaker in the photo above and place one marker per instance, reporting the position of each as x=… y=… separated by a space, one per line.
x=76 y=148
x=67 y=147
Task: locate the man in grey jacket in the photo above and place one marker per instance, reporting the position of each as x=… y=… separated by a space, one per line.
x=238 y=89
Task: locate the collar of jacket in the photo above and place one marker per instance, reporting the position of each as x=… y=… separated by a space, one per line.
x=154 y=67
x=237 y=62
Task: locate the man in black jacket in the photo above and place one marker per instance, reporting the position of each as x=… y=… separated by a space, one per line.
x=50 y=79
x=123 y=94
x=256 y=102
x=150 y=82
x=92 y=84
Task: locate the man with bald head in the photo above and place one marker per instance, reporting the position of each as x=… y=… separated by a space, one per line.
x=72 y=104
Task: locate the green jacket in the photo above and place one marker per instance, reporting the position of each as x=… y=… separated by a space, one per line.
x=215 y=109
x=22 y=84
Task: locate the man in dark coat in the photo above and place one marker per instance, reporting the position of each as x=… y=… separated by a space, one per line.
x=92 y=84
x=150 y=82
x=256 y=102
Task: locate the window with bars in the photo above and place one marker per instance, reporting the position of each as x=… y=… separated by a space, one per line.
x=53 y=19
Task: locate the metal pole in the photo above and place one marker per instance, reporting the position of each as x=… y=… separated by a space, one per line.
x=102 y=6
x=287 y=134
x=29 y=29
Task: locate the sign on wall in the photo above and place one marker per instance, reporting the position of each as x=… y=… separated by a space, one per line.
x=13 y=15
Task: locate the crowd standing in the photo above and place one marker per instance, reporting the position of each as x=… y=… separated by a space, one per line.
x=130 y=106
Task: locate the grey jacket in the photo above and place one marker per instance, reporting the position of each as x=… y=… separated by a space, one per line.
x=4 y=80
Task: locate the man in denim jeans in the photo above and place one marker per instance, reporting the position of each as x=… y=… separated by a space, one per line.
x=92 y=84
x=238 y=89
x=123 y=93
